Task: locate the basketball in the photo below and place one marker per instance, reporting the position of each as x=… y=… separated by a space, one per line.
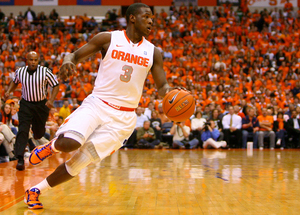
x=178 y=105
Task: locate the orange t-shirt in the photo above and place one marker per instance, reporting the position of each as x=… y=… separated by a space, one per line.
x=261 y=118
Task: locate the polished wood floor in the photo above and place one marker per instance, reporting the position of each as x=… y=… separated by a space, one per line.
x=165 y=182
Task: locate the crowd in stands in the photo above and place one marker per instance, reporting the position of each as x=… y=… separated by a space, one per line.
x=242 y=67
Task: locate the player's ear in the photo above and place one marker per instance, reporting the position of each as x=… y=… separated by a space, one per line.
x=132 y=18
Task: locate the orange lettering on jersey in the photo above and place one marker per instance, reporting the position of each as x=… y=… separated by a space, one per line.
x=140 y=61
x=133 y=58
x=146 y=61
x=130 y=58
x=121 y=55
x=114 y=54
x=127 y=57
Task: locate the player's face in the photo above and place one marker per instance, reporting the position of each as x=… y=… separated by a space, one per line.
x=144 y=21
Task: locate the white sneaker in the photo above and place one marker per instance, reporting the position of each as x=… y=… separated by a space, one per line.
x=224 y=144
x=261 y=148
x=281 y=148
x=278 y=142
x=272 y=148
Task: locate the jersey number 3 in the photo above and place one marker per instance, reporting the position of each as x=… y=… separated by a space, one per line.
x=127 y=76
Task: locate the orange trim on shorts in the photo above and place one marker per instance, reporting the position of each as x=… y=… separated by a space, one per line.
x=118 y=107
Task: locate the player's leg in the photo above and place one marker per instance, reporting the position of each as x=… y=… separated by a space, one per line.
x=64 y=172
x=72 y=134
x=116 y=126
x=60 y=144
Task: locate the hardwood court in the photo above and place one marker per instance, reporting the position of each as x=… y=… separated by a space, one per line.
x=165 y=182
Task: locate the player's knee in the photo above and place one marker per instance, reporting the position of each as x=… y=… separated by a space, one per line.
x=83 y=157
x=65 y=144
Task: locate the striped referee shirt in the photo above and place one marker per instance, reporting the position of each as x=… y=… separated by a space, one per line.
x=35 y=84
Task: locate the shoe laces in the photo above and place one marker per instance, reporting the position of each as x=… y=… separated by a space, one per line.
x=45 y=151
x=33 y=196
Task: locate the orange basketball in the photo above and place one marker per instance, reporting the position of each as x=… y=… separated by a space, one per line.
x=178 y=105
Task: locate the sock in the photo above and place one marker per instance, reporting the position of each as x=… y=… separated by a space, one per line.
x=42 y=186
x=53 y=145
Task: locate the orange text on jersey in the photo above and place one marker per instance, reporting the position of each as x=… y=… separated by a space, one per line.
x=130 y=58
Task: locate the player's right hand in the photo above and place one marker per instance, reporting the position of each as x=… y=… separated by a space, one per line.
x=66 y=70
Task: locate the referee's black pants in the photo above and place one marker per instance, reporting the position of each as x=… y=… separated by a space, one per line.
x=30 y=113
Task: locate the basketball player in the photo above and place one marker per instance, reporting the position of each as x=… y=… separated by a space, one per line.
x=106 y=118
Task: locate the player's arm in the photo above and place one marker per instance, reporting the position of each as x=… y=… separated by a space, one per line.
x=98 y=42
x=158 y=73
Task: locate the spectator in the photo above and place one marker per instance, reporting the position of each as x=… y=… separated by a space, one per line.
x=155 y=123
x=181 y=134
x=210 y=136
x=293 y=129
x=279 y=129
x=217 y=119
x=6 y=117
x=29 y=15
x=65 y=111
x=53 y=15
x=92 y=23
x=265 y=129
x=197 y=125
x=162 y=115
x=7 y=138
x=149 y=110
x=146 y=136
x=250 y=127
x=20 y=63
x=232 y=125
x=290 y=110
x=238 y=111
x=113 y=16
x=288 y=6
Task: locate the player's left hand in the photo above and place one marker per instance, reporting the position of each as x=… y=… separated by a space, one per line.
x=179 y=88
x=66 y=70
x=49 y=104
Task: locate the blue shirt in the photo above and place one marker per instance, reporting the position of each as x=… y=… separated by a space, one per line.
x=246 y=120
x=208 y=134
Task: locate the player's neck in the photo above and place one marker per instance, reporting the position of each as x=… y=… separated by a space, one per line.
x=133 y=36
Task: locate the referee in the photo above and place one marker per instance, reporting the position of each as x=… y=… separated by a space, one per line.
x=34 y=107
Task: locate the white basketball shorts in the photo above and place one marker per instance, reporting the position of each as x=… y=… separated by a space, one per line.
x=96 y=122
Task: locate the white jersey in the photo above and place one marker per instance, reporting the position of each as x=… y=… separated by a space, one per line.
x=123 y=71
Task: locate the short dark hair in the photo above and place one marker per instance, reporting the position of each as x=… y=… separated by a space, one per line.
x=197 y=113
x=134 y=9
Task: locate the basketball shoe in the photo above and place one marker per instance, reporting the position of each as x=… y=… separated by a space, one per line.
x=41 y=152
x=31 y=198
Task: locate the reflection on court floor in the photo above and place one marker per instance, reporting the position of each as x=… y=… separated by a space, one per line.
x=165 y=182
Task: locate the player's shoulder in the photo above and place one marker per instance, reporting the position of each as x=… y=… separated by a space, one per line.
x=103 y=36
